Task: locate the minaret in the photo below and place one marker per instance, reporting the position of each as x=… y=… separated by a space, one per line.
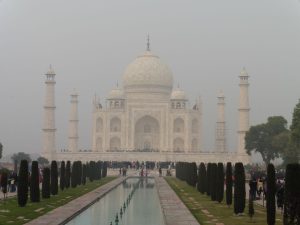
x=220 y=129
x=49 y=129
x=73 y=124
x=244 y=109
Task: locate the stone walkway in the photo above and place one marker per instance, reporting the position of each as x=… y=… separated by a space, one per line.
x=174 y=210
x=63 y=213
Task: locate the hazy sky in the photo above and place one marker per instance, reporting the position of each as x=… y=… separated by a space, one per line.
x=89 y=44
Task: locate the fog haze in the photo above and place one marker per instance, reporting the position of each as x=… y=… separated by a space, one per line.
x=90 y=43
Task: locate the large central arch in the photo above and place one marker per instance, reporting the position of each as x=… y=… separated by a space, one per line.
x=146 y=134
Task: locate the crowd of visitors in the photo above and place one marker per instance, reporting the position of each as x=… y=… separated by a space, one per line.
x=8 y=183
x=258 y=190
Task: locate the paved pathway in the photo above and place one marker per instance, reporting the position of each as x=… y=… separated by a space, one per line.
x=62 y=213
x=174 y=210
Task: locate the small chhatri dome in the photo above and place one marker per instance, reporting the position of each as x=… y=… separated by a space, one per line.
x=116 y=93
x=221 y=94
x=50 y=71
x=178 y=94
x=146 y=72
x=244 y=73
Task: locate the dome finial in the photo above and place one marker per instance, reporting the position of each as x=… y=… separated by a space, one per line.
x=148 y=42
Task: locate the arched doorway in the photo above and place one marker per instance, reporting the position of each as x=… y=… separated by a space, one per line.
x=178 y=145
x=115 y=144
x=146 y=134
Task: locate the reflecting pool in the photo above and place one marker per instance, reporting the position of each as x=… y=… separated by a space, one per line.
x=138 y=199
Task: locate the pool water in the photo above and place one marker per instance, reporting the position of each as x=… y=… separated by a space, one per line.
x=142 y=206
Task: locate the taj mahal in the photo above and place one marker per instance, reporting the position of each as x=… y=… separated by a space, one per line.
x=146 y=118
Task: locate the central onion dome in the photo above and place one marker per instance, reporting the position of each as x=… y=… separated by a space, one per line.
x=147 y=73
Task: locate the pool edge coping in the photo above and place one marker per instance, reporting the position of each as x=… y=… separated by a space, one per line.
x=171 y=213
x=65 y=213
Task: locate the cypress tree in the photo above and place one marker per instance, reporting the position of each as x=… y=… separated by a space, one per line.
x=199 y=181
x=4 y=182
x=229 y=184
x=62 y=181
x=204 y=178
x=208 y=180
x=193 y=174
x=79 y=173
x=73 y=175
x=271 y=191
x=87 y=169
x=34 y=182
x=46 y=183
x=54 y=178
x=213 y=183
x=104 y=169
x=83 y=174
x=220 y=183
x=100 y=169
x=68 y=174
x=92 y=171
x=291 y=214
x=23 y=184
x=239 y=188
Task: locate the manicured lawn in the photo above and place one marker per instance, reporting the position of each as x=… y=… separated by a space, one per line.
x=11 y=213
x=209 y=212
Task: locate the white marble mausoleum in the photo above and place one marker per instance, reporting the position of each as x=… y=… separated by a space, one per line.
x=145 y=118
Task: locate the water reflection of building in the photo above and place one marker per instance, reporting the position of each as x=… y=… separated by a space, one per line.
x=145 y=119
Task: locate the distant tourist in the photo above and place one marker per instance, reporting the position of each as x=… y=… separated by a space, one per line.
x=280 y=195
x=253 y=188
x=259 y=187
x=160 y=171
x=124 y=170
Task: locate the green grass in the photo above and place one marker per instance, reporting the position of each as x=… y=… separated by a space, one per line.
x=219 y=212
x=11 y=213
